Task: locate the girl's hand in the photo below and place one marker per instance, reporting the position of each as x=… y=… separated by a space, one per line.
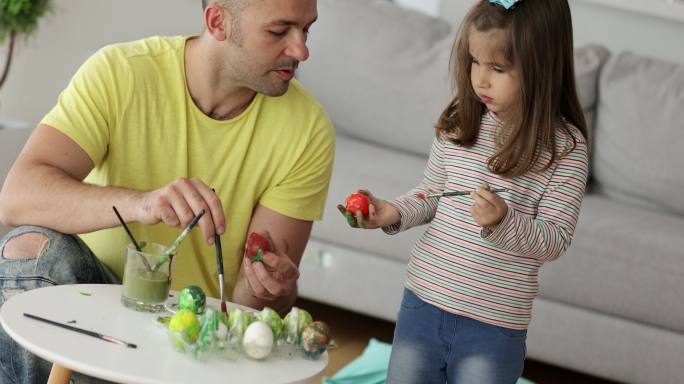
x=489 y=208
x=380 y=214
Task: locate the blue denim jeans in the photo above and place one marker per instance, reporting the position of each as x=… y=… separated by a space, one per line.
x=64 y=260
x=434 y=346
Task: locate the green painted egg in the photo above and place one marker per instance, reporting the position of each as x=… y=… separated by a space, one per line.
x=271 y=317
x=294 y=324
x=192 y=298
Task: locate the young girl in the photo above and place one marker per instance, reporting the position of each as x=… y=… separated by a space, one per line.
x=515 y=124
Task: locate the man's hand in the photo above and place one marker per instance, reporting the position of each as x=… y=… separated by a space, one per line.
x=380 y=214
x=488 y=208
x=273 y=281
x=273 y=277
x=177 y=203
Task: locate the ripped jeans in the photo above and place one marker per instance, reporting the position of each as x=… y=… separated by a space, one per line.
x=60 y=259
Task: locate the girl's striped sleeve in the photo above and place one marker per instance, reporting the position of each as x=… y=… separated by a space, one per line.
x=548 y=234
x=414 y=210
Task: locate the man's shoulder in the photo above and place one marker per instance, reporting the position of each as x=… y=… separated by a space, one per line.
x=297 y=109
x=150 y=46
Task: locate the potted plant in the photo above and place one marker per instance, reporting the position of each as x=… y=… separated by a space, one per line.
x=18 y=17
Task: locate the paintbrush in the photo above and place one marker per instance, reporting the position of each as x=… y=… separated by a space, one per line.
x=130 y=235
x=219 y=263
x=98 y=335
x=456 y=193
x=219 y=267
x=172 y=249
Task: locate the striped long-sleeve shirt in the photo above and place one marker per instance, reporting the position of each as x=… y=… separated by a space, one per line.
x=490 y=277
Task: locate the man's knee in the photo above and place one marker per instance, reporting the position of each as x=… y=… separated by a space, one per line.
x=28 y=245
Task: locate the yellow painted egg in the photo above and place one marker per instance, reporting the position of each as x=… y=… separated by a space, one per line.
x=186 y=324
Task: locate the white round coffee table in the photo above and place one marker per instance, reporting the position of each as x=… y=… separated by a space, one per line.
x=97 y=308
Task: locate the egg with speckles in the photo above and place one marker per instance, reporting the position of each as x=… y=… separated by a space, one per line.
x=315 y=339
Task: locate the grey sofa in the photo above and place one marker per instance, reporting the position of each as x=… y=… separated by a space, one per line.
x=613 y=305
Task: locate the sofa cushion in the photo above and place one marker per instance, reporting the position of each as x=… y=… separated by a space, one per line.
x=639 y=132
x=381 y=71
x=357 y=165
x=625 y=261
x=589 y=60
x=396 y=61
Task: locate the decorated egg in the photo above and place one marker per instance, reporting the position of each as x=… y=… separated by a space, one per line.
x=184 y=328
x=192 y=298
x=210 y=323
x=272 y=318
x=257 y=342
x=315 y=339
x=238 y=320
x=357 y=202
x=294 y=324
x=256 y=246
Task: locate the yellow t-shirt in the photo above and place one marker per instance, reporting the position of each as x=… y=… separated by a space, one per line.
x=129 y=109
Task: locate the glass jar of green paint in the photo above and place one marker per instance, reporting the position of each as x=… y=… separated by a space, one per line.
x=146 y=282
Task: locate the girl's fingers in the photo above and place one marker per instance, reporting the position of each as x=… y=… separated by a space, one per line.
x=359 y=219
x=488 y=195
x=478 y=200
x=350 y=219
x=347 y=215
x=371 y=197
x=342 y=209
x=371 y=211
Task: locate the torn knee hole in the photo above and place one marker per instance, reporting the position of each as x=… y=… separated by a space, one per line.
x=26 y=246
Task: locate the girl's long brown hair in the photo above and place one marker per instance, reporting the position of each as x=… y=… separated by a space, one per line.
x=540 y=46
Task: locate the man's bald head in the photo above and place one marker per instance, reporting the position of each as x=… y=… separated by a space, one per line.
x=234 y=8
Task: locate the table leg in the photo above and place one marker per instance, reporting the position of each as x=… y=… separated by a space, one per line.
x=59 y=375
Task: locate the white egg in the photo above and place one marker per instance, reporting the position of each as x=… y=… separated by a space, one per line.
x=257 y=342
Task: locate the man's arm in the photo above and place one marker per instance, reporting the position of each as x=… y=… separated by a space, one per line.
x=44 y=187
x=273 y=282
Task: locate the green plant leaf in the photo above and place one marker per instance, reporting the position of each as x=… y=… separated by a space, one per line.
x=21 y=16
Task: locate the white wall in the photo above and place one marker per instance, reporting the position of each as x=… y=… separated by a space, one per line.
x=44 y=64
x=614 y=28
x=75 y=29
x=431 y=7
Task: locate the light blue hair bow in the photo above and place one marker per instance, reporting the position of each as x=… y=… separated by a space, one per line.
x=508 y=4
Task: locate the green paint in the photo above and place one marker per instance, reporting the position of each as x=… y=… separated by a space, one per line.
x=259 y=256
x=140 y=284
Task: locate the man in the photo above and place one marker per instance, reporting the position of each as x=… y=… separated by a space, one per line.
x=151 y=127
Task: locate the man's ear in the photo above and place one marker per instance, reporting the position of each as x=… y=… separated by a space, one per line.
x=217 y=21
